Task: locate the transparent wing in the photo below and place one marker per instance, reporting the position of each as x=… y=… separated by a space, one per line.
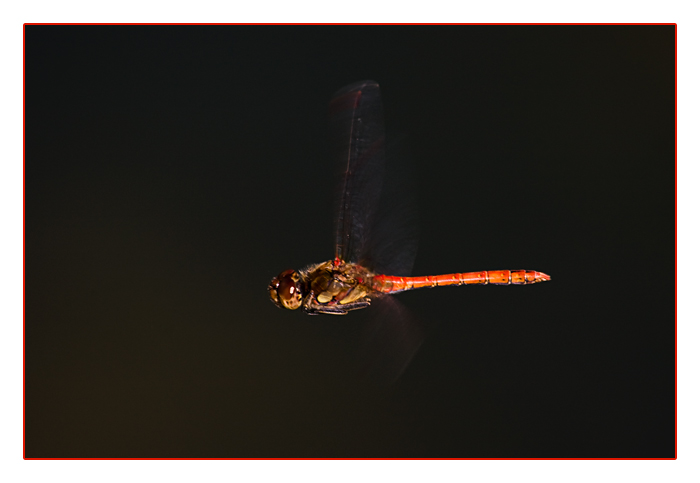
x=390 y=339
x=375 y=219
x=357 y=144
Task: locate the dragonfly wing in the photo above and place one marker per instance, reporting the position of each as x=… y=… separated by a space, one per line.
x=390 y=339
x=357 y=144
x=392 y=246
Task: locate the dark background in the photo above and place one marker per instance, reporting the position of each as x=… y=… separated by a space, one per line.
x=172 y=171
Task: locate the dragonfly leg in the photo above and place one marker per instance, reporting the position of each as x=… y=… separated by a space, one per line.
x=359 y=304
x=327 y=310
x=335 y=309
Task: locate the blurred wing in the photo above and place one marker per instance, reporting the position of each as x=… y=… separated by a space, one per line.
x=357 y=143
x=393 y=244
x=390 y=339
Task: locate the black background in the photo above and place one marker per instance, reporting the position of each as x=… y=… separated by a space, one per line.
x=172 y=171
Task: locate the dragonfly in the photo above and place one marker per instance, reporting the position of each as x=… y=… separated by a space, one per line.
x=359 y=273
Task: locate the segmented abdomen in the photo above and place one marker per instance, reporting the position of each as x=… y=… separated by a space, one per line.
x=391 y=284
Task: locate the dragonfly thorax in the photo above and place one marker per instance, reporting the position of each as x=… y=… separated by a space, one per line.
x=332 y=287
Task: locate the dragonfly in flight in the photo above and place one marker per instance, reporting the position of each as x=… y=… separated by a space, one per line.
x=352 y=279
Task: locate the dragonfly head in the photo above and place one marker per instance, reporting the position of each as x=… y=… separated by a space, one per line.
x=287 y=290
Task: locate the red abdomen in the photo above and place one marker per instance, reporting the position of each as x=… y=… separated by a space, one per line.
x=391 y=284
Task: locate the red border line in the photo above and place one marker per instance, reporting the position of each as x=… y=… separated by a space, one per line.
x=676 y=230
x=360 y=459
x=353 y=23
x=24 y=351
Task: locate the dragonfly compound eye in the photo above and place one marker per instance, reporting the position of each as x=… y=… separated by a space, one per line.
x=286 y=290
